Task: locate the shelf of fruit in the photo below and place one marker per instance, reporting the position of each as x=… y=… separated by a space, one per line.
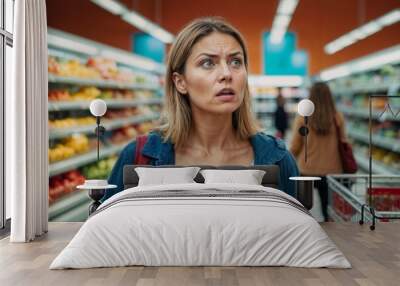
x=367 y=87
x=133 y=94
x=391 y=144
x=84 y=159
x=77 y=150
x=64 y=99
x=111 y=103
x=364 y=113
x=68 y=127
x=100 y=83
x=377 y=167
x=100 y=72
x=65 y=200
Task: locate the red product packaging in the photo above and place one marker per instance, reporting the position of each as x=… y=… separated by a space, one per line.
x=385 y=198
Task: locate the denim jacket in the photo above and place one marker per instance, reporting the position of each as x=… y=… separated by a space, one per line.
x=267 y=151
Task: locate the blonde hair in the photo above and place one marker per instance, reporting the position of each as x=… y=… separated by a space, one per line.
x=177 y=115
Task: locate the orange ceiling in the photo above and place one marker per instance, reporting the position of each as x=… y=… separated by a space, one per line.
x=316 y=22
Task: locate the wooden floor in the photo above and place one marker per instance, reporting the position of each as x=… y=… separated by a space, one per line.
x=375 y=256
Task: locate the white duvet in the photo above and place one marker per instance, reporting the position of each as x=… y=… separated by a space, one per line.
x=183 y=231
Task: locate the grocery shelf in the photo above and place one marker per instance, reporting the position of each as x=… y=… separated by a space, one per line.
x=55 y=133
x=261 y=96
x=364 y=113
x=100 y=83
x=377 y=167
x=79 y=213
x=377 y=140
x=75 y=46
x=263 y=110
x=264 y=96
x=366 y=87
x=111 y=103
x=82 y=160
x=67 y=203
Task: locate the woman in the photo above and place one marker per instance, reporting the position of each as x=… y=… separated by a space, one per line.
x=322 y=152
x=207 y=110
x=280 y=116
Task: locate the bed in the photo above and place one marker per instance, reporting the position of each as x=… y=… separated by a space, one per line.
x=198 y=224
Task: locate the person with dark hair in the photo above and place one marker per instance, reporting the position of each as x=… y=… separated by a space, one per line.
x=280 y=116
x=323 y=150
x=207 y=118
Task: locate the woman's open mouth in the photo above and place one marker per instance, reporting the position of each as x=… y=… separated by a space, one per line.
x=226 y=94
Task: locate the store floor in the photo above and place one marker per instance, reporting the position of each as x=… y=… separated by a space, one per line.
x=374 y=255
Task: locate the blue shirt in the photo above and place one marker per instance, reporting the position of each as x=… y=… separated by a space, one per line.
x=268 y=150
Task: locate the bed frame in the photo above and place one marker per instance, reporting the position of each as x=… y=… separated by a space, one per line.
x=270 y=179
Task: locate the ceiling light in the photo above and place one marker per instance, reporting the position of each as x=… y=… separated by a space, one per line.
x=363 y=31
x=111 y=6
x=147 y=26
x=163 y=35
x=370 y=28
x=276 y=36
x=390 y=18
x=287 y=7
x=281 y=21
x=136 y=20
x=358 y=34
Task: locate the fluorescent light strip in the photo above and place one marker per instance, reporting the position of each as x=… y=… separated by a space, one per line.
x=145 y=25
x=363 y=31
x=287 y=7
x=275 y=81
x=371 y=62
x=282 y=20
x=390 y=18
x=135 y=20
x=111 y=6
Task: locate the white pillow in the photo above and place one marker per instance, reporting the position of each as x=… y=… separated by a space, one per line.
x=164 y=176
x=248 y=177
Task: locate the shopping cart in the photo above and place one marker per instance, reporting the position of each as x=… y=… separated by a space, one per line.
x=351 y=199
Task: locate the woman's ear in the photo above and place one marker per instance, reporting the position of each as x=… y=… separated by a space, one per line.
x=179 y=82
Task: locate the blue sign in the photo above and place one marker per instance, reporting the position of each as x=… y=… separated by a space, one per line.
x=147 y=46
x=283 y=58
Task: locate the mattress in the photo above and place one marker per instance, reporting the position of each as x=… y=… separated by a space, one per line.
x=201 y=225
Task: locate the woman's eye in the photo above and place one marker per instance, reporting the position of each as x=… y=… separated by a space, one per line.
x=207 y=64
x=236 y=62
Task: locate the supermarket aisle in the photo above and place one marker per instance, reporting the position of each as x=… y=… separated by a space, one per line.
x=88 y=66
x=133 y=95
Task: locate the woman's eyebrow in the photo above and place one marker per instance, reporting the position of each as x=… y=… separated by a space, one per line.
x=215 y=55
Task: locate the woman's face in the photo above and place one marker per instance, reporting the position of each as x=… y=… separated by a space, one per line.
x=215 y=74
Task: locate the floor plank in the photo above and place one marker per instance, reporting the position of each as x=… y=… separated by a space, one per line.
x=374 y=255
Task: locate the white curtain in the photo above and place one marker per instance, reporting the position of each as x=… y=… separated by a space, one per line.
x=26 y=124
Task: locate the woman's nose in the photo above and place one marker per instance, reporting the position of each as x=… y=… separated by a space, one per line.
x=225 y=72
